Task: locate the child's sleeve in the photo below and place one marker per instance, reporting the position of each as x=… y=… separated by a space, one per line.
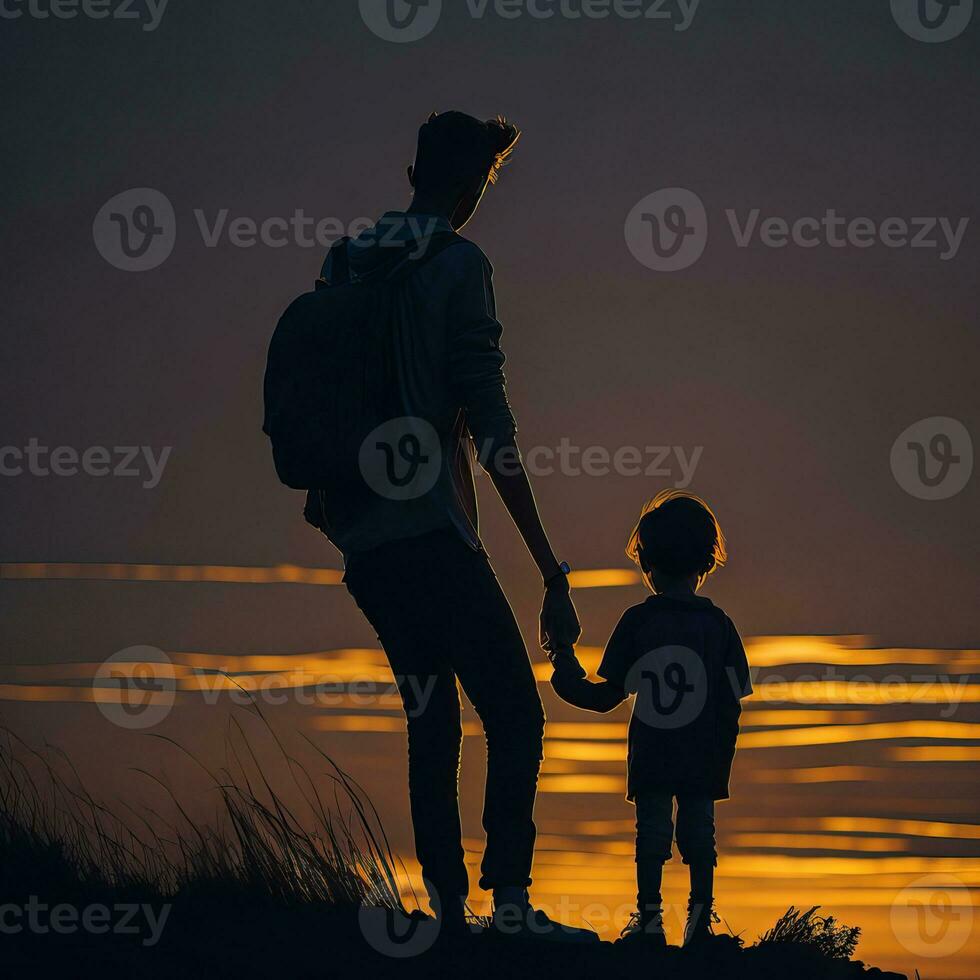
x=737 y=664
x=620 y=653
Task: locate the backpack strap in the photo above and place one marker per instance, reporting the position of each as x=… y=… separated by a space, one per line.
x=337 y=263
x=435 y=246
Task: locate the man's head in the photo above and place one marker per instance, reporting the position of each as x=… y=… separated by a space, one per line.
x=458 y=156
x=677 y=539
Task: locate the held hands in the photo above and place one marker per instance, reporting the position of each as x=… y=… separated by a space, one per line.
x=566 y=666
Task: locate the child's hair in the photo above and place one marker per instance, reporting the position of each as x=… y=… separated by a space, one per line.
x=455 y=148
x=677 y=534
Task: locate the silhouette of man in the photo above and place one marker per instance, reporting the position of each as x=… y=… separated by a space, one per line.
x=415 y=563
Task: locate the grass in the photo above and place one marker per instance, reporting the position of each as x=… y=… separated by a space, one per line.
x=823 y=933
x=268 y=888
x=335 y=853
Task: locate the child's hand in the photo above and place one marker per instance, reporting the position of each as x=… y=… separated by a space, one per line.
x=565 y=663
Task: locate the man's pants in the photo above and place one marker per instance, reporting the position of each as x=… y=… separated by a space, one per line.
x=440 y=615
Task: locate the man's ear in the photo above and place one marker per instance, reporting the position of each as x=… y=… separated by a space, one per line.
x=411 y=175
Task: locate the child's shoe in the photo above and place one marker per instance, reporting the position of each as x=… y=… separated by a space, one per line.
x=645 y=930
x=698 y=931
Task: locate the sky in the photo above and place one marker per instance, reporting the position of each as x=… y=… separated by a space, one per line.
x=777 y=380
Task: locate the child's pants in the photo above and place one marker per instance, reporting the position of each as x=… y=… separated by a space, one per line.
x=655 y=829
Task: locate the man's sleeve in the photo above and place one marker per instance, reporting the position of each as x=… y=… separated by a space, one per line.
x=620 y=654
x=476 y=361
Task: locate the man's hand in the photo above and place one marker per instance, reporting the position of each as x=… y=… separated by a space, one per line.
x=559 y=627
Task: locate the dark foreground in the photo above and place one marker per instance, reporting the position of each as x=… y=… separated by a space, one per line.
x=217 y=939
x=270 y=890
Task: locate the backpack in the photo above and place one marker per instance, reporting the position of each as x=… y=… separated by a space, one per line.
x=330 y=376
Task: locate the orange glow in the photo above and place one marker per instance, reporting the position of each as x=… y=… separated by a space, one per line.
x=594 y=578
x=583 y=783
x=338 y=673
x=606 y=731
x=88 y=695
x=826 y=842
x=870 y=825
x=935 y=753
x=278 y=574
x=557 y=766
x=911 y=828
x=603 y=578
x=324 y=660
x=565 y=845
x=757 y=717
x=359 y=723
x=601 y=828
x=868 y=692
x=847 y=835
x=827 y=774
x=585 y=751
x=831 y=734
x=847 y=651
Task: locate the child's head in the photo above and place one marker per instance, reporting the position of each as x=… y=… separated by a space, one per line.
x=677 y=539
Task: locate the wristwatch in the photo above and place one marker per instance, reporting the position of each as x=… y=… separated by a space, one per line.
x=563 y=570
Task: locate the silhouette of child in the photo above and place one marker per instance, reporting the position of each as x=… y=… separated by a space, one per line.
x=682 y=658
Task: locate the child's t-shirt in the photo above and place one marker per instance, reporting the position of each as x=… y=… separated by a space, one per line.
x=683 y=659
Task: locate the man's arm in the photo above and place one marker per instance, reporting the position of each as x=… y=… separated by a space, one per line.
x=476 y=366
x=503 y=463
x=559 y=625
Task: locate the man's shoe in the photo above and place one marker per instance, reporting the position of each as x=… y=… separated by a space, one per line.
x=519 y=920
x=648 y=935
x=698 y=931
x=456 y=922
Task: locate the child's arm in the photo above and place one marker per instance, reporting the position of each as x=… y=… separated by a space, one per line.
x=571 y=685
